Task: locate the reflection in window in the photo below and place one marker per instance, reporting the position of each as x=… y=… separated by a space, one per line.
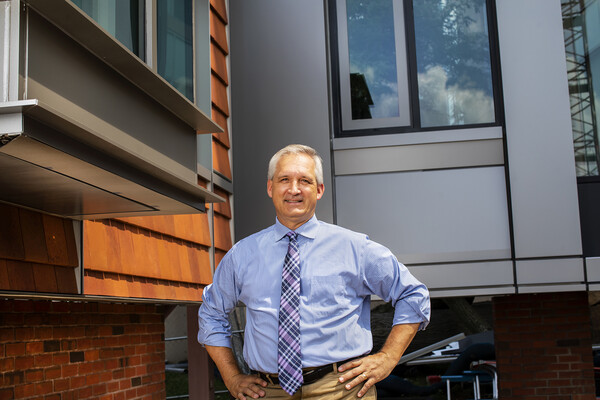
x=453 y=62
x=175 y=44
x=123 y=19
x=371 y=47
x=581 y=22
x=373 y=64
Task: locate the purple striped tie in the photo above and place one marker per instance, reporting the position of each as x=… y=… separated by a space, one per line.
x=288 y=351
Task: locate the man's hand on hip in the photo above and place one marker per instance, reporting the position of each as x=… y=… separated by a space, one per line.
x=366 y=371
x=242 y=385
x=374 y=368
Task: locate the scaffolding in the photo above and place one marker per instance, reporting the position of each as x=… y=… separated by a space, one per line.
x=583 y=113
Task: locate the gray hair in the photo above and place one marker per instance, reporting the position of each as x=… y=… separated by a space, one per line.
x=297 y=149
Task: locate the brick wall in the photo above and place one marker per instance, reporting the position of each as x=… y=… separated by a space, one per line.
x=72 y=350
x=544 y=346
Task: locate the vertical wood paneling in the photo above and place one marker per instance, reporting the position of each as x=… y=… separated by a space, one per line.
x=4 y=283
x=219 y=7
x=219 y=95
x=20 y=276
x=221 y=159
x=56 y=240
x=44 y=278
x=218 y=33
x=221 y=120
x=11 y=242
x=34 y=240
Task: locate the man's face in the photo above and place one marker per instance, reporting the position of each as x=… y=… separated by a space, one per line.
x=294 y=189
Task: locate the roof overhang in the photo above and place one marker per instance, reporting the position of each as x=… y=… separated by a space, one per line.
x=46 y=170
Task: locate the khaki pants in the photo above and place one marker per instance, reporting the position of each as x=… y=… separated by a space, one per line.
x=326 y=388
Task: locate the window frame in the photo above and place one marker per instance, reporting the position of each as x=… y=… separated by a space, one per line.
x=342 y=131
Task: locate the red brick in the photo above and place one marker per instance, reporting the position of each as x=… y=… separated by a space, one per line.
x=7 y=334
x=43 y=388
x=7 y=394
x=52 y=373
x=23 y=363
x=15 y=349
x=22 y=391
x=61 y=385
x=34 y=375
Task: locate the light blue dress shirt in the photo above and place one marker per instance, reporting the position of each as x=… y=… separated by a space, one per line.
x=339 y=271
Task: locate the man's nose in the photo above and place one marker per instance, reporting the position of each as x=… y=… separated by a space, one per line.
x=294 y=187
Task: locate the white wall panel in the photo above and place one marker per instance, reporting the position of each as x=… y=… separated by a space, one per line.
x=593 y=269
x=555 y=270
x=431 y=216
x=463 y=275
x=538 y=128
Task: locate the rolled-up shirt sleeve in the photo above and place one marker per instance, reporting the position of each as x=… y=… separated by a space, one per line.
x=218 y=299
x=387 y=278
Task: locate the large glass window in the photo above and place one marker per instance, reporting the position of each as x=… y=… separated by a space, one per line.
x=123 y=19
x=444 y=43
x=581 y=22
x=453 y=62
x=175 y=44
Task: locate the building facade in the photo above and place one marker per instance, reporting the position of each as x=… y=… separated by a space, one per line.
x=115 y=192
x=460 y=134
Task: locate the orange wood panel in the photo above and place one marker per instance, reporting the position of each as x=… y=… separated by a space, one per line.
x=56 y=240
x=222 y=233
x=223 y=208
x=221 y=120
x=4 y=282
x=219 y=7
x=66 y=280
x=20 y=275
x=219 y=254
x=73 y=256
x=94 y=245
x=218 y=92
x=113 y=249
x=218 y=63
x=93 y=283
x=44 y=278
x=173 y=268
x=221 y=159
x=11 y=241
x=218 y=32
x=34 y=240
x=190 y=227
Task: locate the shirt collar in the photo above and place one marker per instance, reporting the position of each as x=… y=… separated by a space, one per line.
x=308 y=229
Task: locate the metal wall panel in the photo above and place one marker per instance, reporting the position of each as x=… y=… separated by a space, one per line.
x=538 y=129
x=279 y=96
x=430 y=216
x=558 y=270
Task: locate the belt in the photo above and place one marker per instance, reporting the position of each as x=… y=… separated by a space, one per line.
x=310 y=375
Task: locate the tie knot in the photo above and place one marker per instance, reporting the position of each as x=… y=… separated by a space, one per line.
x=292 y=235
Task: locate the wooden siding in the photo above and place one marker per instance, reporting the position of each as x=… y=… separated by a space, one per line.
x=37 y=252
x=168 y=257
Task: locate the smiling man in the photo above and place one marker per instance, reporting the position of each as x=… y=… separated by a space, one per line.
x=307 y=287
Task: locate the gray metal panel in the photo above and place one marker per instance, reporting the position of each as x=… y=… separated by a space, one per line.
x=279 y=96
x=419 y=157
x=465 y=275
x=538 y=129
x=430 y=216
x=557 y=270
x=593 y=269
x=79 y=26
x=115 y=115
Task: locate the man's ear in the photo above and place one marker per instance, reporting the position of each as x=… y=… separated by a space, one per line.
x=270 y=188
x=320 y=191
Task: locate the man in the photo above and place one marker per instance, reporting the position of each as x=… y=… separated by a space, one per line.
x=306 y=285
